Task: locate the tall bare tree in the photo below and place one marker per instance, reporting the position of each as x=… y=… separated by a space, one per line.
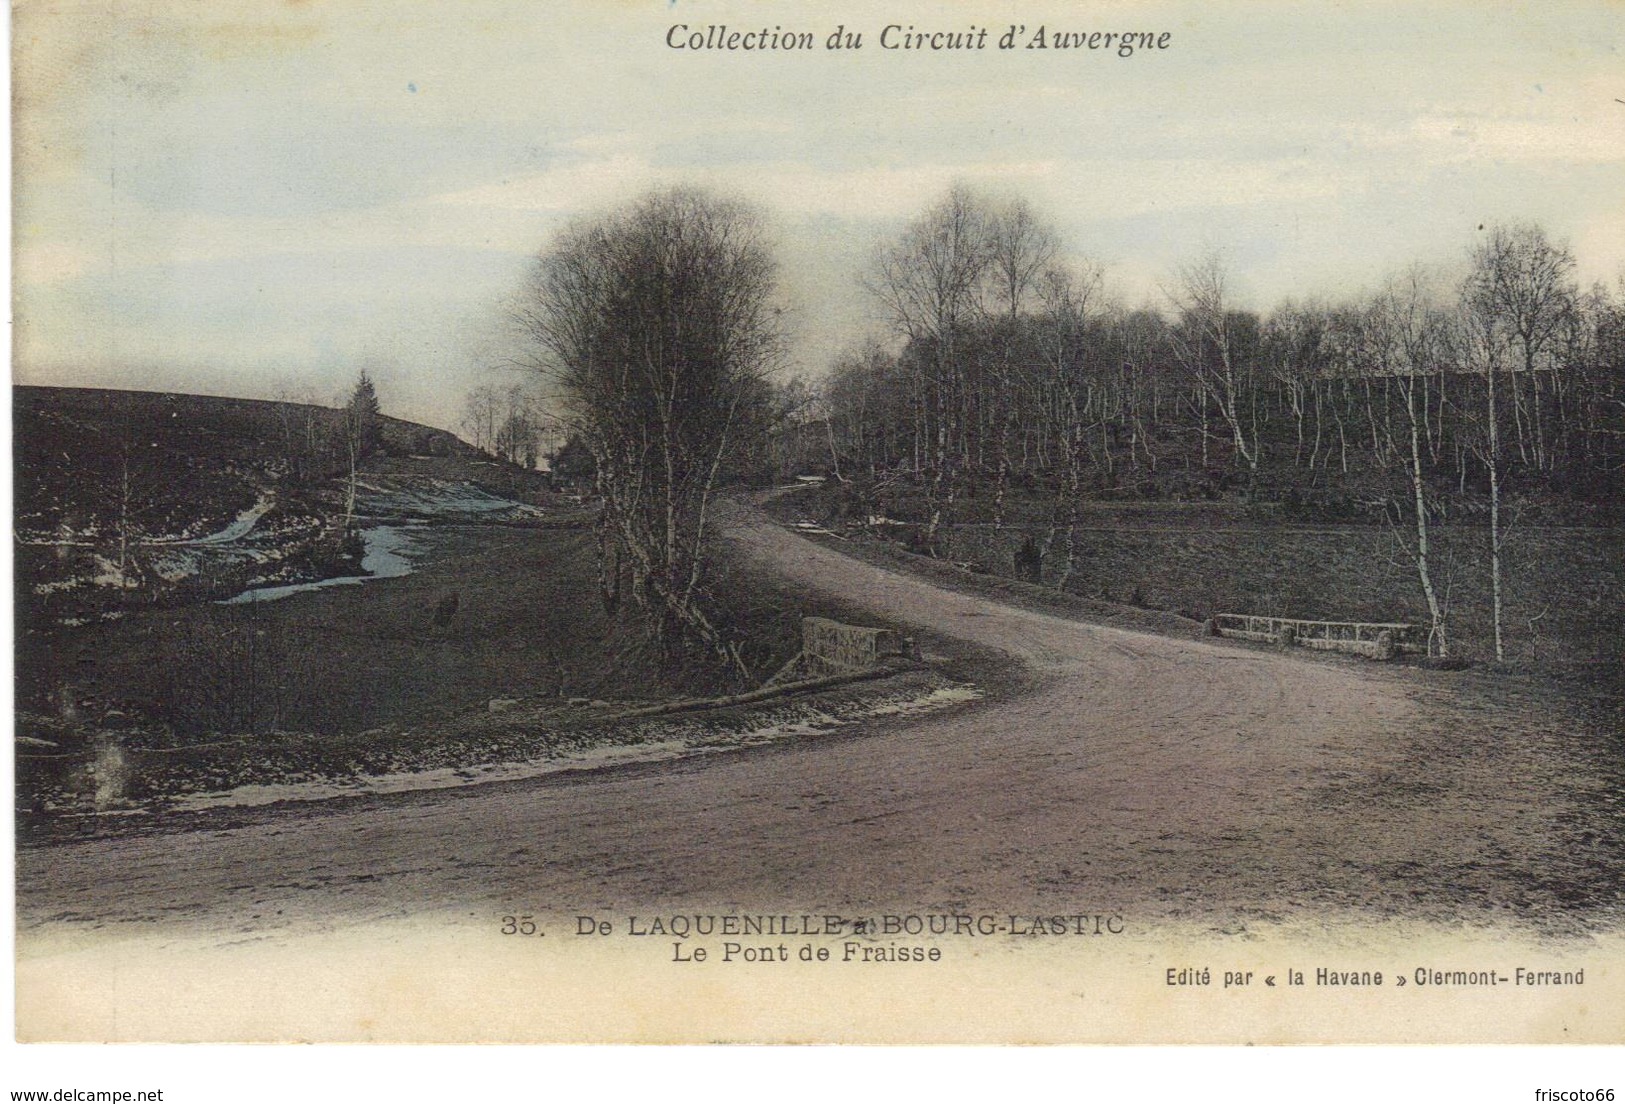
x=1408 y=332
x=517 y=434
x=1020 y=249
x=482 y=417
x=1205 y=344
x=302 y=421
x=1068 y=298
x=1526 y=282
x=931 y=282
x=1516 y=298
x=657 y=322
x=1295 y=354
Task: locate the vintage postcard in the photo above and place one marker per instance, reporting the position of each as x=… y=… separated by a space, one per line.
x=683 y=521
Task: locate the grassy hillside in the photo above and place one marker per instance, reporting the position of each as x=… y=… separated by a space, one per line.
x=193 y=461
x=127 y=498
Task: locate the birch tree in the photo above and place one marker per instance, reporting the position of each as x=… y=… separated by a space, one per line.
x=658 y=326
x=1206 y=347
x=931 y=282
x=1526 y=283
x=1020 y=248
x=1409 y=338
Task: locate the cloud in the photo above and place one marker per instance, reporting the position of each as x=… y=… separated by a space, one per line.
x=795 y=191
x=1471 y=137
x=585 y=184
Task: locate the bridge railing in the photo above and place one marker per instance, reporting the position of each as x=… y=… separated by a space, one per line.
x=1376 y=639
x=830 y=648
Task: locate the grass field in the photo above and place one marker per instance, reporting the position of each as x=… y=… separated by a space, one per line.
x=1564 y=586
x=527 y=623
x=378 y=677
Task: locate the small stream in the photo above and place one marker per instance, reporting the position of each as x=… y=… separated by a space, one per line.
x=386 y=548
x=238 y=529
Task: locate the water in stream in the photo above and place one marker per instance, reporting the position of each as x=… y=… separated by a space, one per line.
x=386 y=548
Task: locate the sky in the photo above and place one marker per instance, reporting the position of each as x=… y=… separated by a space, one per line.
x=264 y=199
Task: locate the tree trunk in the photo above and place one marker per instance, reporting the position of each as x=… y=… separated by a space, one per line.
x=1437 y=643
x=1493 y=460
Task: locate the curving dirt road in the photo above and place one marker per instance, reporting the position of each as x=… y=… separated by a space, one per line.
x=1158 y=778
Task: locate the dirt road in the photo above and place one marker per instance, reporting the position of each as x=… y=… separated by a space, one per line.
x=1157 y=778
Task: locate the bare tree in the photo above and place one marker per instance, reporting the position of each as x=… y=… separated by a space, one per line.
x=300 y=418
x=1206 y=346
x=1594 y=350
x=931 y=281
x=482 y=417
x=517 y=436
x=1295 y=353
x=1020 y=249
x=1526 y=284
x=1515 y=299
x=1068 y=298
x=658 y=325
x=1408 y=334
